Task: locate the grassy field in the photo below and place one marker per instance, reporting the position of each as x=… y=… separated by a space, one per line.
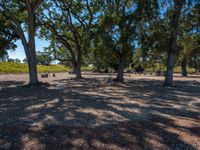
x=17 y=68
x=189 y=70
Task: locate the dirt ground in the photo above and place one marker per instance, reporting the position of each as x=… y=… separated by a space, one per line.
x=97 y=113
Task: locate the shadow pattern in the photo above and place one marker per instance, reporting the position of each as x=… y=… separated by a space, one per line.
x=94 y=114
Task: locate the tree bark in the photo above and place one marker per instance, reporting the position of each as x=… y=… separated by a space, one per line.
x=78 y=70
x=31 y=60
x=173 y=45
x=184 y=67
x=78 y=65
x=29 y=46
x=73 y=66
x=170 y=69
x=73 y=69
x=120 y=70
x=33 y=78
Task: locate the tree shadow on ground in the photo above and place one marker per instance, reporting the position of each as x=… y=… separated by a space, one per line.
x=189 y=76
x=90 y=114
x=7 y=84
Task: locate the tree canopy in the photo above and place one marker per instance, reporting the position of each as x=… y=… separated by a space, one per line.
x=111 y=35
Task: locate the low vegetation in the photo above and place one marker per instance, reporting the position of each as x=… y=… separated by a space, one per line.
x=189 y=70
x=15 y=68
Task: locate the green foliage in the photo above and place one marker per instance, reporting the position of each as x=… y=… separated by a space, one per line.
x=100 y=33
x=58 y=52
x=44 y=58
x=67 y=24
x=7 y=38
x=102 y=54
x=3 y=55
x=189 y=41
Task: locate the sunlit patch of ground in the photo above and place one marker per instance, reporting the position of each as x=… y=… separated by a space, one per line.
x=97 y=113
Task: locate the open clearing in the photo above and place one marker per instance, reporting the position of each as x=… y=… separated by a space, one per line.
x=96 y=113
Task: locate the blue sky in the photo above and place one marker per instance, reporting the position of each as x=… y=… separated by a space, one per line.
x=19 y=52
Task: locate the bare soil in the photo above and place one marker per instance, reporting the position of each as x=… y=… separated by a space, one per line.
x=97 y=113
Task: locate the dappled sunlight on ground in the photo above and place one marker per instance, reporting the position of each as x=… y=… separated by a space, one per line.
x=97 y=113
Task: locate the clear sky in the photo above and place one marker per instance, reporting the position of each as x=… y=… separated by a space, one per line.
x=19 y=52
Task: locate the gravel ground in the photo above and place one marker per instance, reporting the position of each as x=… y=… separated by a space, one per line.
x=97 y=113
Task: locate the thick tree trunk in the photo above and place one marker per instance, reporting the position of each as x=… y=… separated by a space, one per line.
x=123 y=59
x=78 y=65
x=184 y=67
x=120 y=70
x=73 y=66
x=29 y=48
x=29 y=45
x=31 y=60
x=78 y=70
x=170 y=69
x=173 y=45
x=33 y=78
x=73 y=69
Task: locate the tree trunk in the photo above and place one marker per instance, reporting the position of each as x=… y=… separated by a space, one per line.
x=170 y=69
x=29 y=45
x=73 y=66
x=31 y=60
x=120 y=70
x=184 y=67
x=78 y=70
x=78 y=65
x=73 y=69
x=173 y=45
x=33 y=78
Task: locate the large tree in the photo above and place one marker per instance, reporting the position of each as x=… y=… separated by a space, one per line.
x=68 y=23
x=189 y=39
x=21 y=15
x=118 y=20
x=157 y=36
x=122 y=21
x=178 y=4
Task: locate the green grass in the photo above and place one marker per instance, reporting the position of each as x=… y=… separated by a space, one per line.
x=189 y=70
x=161 y=67
x=87 y=68
x=17 y=68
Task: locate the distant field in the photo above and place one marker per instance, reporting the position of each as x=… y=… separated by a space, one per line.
x=17 y=68
x=189 y=70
